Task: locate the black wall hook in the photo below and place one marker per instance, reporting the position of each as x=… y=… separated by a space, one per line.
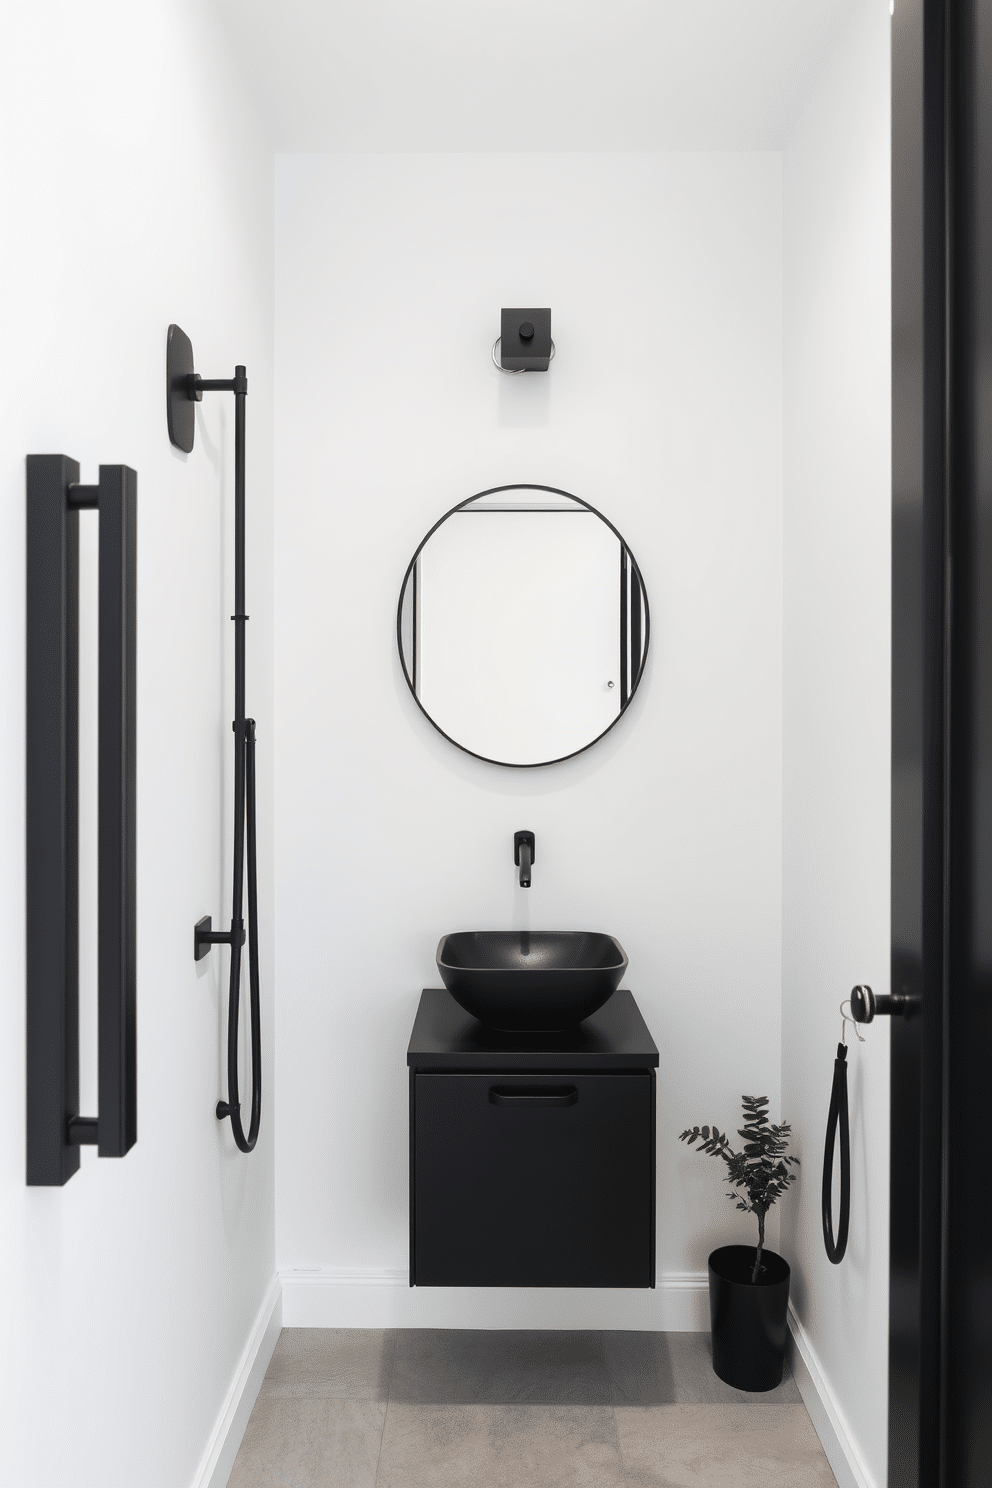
x=525 y=340
x=866 y=1007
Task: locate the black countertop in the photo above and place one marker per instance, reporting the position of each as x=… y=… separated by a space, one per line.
x=446 y=1037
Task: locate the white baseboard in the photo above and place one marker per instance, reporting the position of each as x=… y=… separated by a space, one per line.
x=229 y=1429
x=332 y=1297
x=831 y=1425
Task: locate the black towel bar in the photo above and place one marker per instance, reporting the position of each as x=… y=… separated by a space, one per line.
x=55 y=1128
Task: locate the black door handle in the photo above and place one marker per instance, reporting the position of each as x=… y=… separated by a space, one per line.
x=866 y=1007
x=533 y=1095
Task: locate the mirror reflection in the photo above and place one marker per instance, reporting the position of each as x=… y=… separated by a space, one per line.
x=523 y=625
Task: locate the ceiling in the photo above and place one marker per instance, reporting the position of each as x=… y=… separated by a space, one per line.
x=412 y=75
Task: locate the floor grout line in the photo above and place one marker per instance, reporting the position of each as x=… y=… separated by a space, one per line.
x=382 y=1438
x=393 y=1344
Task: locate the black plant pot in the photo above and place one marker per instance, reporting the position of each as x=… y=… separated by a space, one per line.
x=748 y=1320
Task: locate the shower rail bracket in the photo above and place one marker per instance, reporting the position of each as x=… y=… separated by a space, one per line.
x=204 y=937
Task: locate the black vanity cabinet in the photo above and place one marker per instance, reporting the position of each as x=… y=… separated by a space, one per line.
x=532 y=1156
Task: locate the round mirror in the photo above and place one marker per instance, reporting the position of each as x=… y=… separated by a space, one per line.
x=523 y=625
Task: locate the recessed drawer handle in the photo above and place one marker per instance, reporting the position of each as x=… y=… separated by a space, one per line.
x=533 y=1095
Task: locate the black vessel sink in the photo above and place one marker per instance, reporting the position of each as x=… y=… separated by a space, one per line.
x=539 y=980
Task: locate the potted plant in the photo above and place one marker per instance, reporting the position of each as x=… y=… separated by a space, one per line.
x=749 y=1285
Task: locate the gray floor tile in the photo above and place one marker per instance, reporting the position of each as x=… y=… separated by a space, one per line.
x=277 y=1451
x=641 y=1368
x=347 y=1438
x=461 y=1366
x=295 y=1443
x=677 y=1369
x=331 y=1363
x=721 y=1446
x=516 y=1446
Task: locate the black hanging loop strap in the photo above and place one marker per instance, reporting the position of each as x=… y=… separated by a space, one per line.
x=838 y=1114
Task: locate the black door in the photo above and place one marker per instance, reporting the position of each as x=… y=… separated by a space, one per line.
x=534 y=1180
x=940 y=1384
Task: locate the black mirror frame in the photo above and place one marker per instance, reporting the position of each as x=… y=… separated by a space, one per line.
x=635 y=680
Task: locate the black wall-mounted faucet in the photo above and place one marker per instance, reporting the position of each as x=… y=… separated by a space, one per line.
x=523 y=855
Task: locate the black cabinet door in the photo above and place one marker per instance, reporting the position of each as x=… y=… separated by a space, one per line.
x=533 y=1180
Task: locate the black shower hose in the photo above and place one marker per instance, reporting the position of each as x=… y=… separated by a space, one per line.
x=245 y=807
x=838 y=1114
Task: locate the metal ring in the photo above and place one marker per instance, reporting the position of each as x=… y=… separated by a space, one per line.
x=515 y=371
x=848 y=1018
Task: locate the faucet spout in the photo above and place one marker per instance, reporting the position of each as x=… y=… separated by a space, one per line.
x=523 y=855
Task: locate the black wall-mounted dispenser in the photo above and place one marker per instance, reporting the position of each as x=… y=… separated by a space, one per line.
x=55 y=1129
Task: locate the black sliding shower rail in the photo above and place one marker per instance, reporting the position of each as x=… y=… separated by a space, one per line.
x=184 y=389
x=55 y=1128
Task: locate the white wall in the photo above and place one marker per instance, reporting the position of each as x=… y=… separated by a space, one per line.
x=137 y=191
x=663 y=408
x=525 y=76
x=836 y=546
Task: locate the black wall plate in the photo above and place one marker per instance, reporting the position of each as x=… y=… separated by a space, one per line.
x=179 y=367
x=201 y=946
